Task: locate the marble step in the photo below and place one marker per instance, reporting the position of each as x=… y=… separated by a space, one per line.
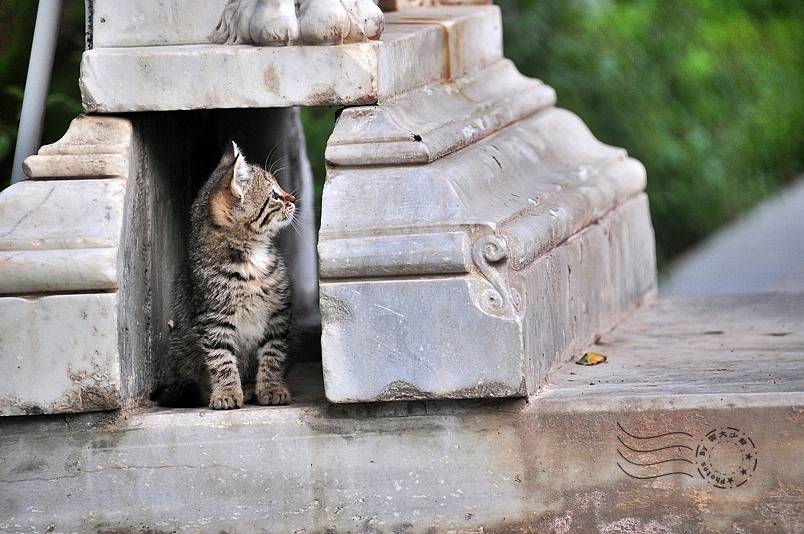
x=694 y=424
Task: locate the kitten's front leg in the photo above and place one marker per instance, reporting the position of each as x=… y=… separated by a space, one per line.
x=270 y=387
x=227 y=392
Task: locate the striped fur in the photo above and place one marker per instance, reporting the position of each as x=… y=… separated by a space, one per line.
x=229 y=342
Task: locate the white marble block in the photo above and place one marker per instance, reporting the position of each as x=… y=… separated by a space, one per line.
x=59 y=354
x=61 y=237
x=472 y=237
x=416 y=48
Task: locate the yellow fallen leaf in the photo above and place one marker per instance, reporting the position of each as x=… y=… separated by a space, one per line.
x=591 y=358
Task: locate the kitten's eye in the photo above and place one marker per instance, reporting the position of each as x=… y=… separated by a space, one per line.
x=274 y=195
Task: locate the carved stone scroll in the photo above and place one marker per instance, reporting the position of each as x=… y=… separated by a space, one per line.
x=490 y=254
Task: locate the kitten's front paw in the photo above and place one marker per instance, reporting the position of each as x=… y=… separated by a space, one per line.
x=226 y=400
x=273 y=395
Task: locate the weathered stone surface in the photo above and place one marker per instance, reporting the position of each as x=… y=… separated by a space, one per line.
x=153 y=22
x=438 y=119
x=167 y=22
x=61 y=214
x=60 y=236
x=540 y=172
x=558 y=462
x=586 y=286
x=59 y=354
x=63 y=232
x=493 y=335
x=91 y=134
x=98 y=147
x=63 y=270
x=538 y=231
x=417 y=339
x=414 y=50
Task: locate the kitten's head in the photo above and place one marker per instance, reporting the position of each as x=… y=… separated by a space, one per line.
x=248 y=197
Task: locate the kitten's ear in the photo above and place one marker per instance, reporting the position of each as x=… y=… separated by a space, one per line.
x=240 y=177
x=228 y=158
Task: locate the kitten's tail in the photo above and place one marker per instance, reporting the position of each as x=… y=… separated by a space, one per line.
x=178 y=394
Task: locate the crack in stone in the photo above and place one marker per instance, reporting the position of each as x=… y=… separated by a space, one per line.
x=30 y=212
x=110 y=468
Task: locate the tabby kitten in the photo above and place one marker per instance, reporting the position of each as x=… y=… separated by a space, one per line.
x=229 y=340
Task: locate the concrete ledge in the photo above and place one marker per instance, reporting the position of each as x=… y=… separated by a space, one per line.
x=78 y=166
x=71 y=214
x=558 y=462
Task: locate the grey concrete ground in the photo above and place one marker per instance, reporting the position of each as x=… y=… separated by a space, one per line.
x=763 y=251
x=692 y=426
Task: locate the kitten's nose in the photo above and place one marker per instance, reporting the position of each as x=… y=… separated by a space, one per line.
x=289 y=197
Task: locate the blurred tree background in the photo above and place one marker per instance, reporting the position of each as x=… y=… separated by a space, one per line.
x=17 y=19
x=708 y=94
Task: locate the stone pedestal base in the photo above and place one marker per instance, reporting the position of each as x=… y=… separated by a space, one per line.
x=451 y=272
x=62 y=242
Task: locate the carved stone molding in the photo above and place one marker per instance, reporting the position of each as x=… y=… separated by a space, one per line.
x=490 y=254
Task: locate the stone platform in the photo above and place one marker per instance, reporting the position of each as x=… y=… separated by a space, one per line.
x=693 y=425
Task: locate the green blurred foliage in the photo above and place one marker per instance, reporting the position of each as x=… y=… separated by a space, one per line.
x=17 y=19
x=318 y=123
x=708 y=94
